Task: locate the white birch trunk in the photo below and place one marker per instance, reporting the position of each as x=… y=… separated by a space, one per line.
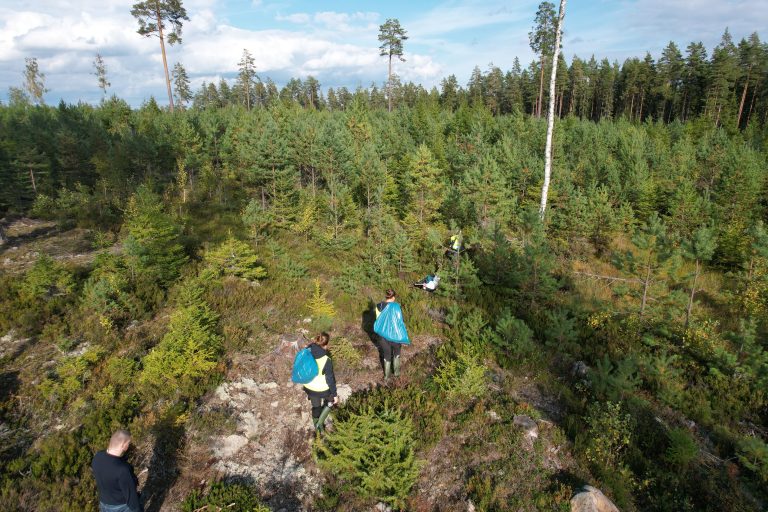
x=551 y=114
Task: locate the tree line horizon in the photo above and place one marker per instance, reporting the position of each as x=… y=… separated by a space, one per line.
x=729 y=86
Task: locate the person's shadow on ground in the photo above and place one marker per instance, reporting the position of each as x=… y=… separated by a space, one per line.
x=163 y=466
x=367 y=319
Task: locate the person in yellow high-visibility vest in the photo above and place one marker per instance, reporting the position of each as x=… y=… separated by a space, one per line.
x=456 y=242
x=321 y=391
x=456 y=245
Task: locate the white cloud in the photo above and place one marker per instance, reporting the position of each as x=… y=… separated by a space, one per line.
x=422 y=68
x=343 y=22
x=338 y=48
x=299 y=17
x=454 y=16
x=65 y=42
x=703 y=17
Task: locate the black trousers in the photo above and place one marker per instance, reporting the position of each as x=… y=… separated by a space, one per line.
x=318 y=404
x=389 y=349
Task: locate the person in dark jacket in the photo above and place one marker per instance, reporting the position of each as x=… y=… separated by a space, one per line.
x=390 y=350
x=115 y=479
x=321 y=391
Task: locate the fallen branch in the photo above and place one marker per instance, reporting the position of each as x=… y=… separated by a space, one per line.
x=607 y=278
x=712 y=459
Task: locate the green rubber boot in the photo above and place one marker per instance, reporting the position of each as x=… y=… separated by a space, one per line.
x=387 y=369
x=320 y=424
x=396 y=366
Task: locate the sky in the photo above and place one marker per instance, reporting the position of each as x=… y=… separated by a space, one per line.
x=335 y=41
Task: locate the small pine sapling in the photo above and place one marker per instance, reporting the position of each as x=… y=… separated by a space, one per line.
x=235 y=258
x=374 y=452
x=318 y=305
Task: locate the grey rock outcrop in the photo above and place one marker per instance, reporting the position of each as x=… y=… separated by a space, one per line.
x=527 y=424
x=592 y=500
x=229 y=445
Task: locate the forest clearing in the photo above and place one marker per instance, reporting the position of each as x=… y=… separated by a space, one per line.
x=579 y=255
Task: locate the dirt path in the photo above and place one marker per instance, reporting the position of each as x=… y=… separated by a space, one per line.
x=269 y=440
x=27 y=239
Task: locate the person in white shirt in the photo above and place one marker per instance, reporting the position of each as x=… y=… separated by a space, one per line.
x=429 y=283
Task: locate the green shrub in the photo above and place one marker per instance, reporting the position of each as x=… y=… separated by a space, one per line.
x=417 y=401
x=121 y=370
x=186 y=355
x=614 y=381
x=102 y=239
x=70 y=376
x=45 y=279
x=151 y=246
x=372 y=453
x=513 y=339
x=70 y=207
x=471 y=326
x=235 y=258
x=350 y=278
x=343 y=350
x=66 y=344
x=291 y=269
x=665 y=376
x=75 y=205
x=106 y=293
x=606 y=443
x=44 y=207
x=607 y=435
x=561 y=333
x=753 y=454
x=222 y=496
x=682 y=449
x=462 y=376
x=60 y=454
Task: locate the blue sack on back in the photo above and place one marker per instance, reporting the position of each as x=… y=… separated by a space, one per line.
x=390 y=325
x=304 y=367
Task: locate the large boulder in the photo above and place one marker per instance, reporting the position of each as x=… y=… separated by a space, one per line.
x=592 y=500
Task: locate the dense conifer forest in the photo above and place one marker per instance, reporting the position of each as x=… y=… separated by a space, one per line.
x=149 y=256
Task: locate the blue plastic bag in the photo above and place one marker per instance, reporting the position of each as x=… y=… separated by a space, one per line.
x=304 y=367
x=390 y=326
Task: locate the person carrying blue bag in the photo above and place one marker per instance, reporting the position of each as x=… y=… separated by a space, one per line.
x=393 y=335
x=316 y=374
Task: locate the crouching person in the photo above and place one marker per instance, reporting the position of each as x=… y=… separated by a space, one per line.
x=321 y=391
x=115 y=479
